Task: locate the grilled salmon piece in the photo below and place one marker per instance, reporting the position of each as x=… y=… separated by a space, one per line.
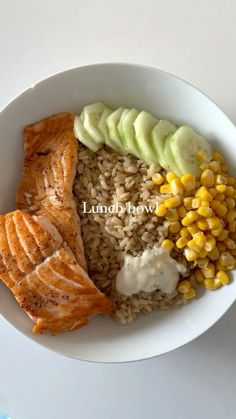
x=59 y=296
x=48 y=176
x=44 y=276
x=25 y=242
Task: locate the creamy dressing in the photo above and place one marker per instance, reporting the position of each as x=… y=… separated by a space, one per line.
x=154 y=269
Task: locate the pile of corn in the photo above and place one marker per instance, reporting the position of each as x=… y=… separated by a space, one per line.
x=201 y=217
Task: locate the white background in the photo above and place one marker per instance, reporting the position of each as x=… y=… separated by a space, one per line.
x=194 y=39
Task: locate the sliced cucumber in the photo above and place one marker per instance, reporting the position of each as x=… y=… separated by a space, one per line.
x=114 y=136
x=158 y=136
x=102 y=124
x=168 y=159
x=185 y=144
x=129 y=133
x=91 y=115
x=120 y=128
x=83 y=136
x=143 y=125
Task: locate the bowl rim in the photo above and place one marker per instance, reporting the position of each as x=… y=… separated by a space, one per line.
x=144 y=67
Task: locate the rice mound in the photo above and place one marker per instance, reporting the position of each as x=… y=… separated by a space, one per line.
x=107 y=178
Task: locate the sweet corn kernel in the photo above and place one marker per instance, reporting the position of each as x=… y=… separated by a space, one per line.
x=217 y=156
x=182 y=211
x=203 y=193
x=205 y=211
x=190 y=294
x=221 y=211
x=227 y=260
x=160 y=210
x=234 y=194
x=199 y=276
x=203 y=254
x=170 y=176
x=181 y=242
x=223 y=235
x=217 y=231
x=215 y=166
x=212 y=284
x=213 y=192
x=184 y=286
x=213 y=222
x=167 y=245
x=209 y=271
x=190 y=254
x=210 y=242
x=219 y=266
x=188 y=203
x=189 y=181
x=232 y=226
x=220 y=197
x=215 y=204
x=221 y=180
x=189 y=218
x=194 y=246
x=202 y=224
x=165 y=189
x=172 y=214
x=231 y=180
x=230 y=216
x=217 y=284
x=223 y=277
x=172 y=202
x=203 y=262
x=196 y=203
x=158 y=179
x=207 y=178
x=201 y=156
x=200 y=239
x=221 y=247
x=229 y=191
x=230 y=202
x=192 y=229
x=184 y=232
x=221 y=188
x=209 y=283
x=176 y=186
x=174 y=227
x=230 y=244
x=214 y=254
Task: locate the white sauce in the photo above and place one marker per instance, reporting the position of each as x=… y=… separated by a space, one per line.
x=154 y=269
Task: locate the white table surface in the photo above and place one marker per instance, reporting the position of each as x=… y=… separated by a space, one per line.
x=194 y=39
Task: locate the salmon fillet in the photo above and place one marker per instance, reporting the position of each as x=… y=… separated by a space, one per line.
x=48 y=176
x=44 y=276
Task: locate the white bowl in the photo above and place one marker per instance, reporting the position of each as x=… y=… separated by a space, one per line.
x=132 y=86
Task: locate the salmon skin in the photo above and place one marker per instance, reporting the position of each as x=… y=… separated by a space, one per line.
x=46 y=186
x=44 y=275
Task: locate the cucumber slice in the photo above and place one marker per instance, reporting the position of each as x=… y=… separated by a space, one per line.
x=168 y=159
x=114 y=137
x=91 y=115
x=83 y=136
x=143 y=125
x=185 y=144
x=129 y=133
x=158 y=137
x=120 y=128
x=102 y=124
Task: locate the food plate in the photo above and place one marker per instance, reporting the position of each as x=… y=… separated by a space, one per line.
x=161 y=94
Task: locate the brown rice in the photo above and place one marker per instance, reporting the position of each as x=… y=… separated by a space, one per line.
x=107 y=178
